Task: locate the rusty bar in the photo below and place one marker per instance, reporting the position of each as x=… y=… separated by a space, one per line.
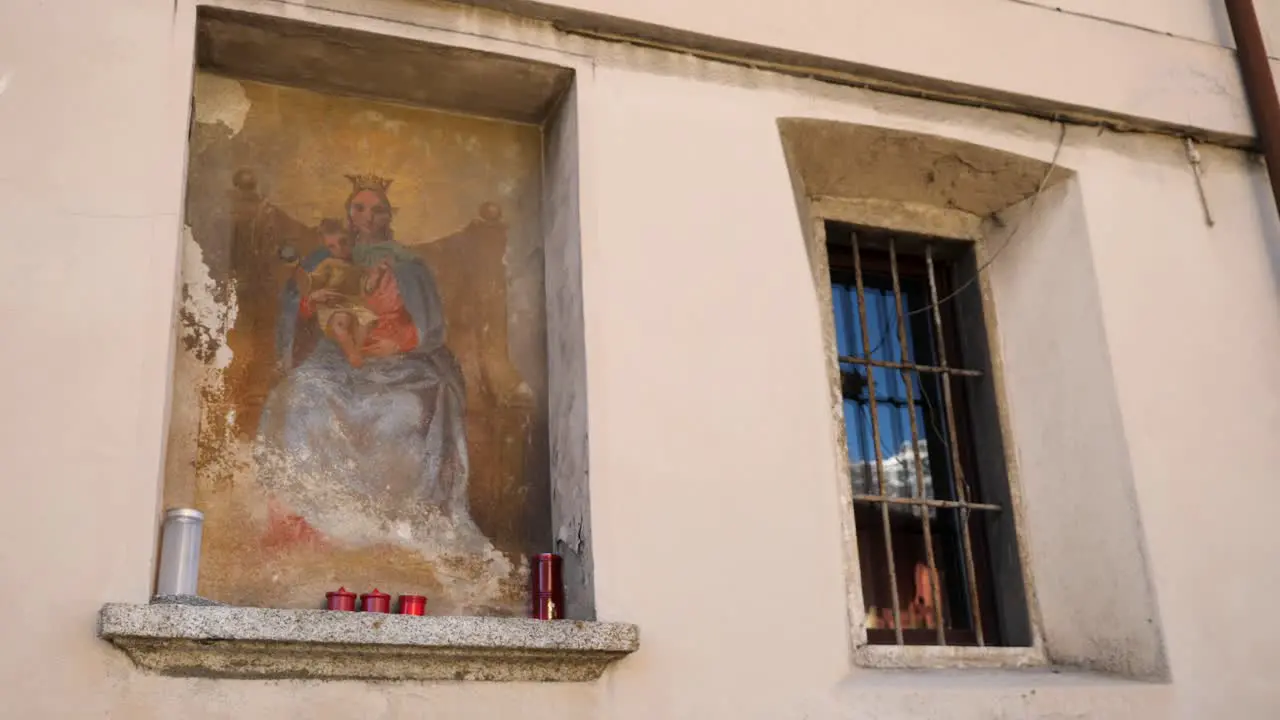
x=1259 y=85
x=926 y=502
x=953 y=443
x=939 y=369
x=895 y=402
x=875 y=440
x=909 y=388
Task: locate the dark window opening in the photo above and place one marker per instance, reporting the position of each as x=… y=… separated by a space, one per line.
x=936 y=539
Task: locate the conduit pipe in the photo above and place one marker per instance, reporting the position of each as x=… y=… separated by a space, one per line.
x=1259 y=85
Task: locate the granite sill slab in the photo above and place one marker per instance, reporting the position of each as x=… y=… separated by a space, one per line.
x=187 y=640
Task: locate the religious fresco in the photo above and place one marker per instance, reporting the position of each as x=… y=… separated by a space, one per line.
x=360 y=387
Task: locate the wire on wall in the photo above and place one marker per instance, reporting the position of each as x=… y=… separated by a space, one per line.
x=1044 y=181
x=1035 y=197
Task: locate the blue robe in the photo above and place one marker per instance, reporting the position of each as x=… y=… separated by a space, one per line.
x=376 y=453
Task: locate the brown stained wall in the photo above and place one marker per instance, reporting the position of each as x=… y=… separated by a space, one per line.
x=267 y=164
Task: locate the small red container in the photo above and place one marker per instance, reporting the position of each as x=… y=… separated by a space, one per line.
x=546 y=586
x=413 y=605
x=375 y=602
x=340 y=599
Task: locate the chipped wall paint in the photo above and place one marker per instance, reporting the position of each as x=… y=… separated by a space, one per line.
x=208 y=309
x=220 y=100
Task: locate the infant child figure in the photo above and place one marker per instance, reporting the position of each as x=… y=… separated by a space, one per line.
x=335 y=288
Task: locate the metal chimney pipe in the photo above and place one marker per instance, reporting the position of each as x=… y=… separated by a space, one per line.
x=1259 y=85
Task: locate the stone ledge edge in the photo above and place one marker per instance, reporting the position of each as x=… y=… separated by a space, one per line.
x=238 y=642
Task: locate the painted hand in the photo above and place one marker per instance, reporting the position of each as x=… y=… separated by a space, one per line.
x=325 y=297
x=381 y=348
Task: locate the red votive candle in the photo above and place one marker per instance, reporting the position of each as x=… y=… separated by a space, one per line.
x=546 y=586
x=413 y=605
x=375 y=602
x=340 y=599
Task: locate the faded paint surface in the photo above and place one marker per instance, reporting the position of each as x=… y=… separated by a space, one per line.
x=267 y=164
x=217 y=99
x=676 y=268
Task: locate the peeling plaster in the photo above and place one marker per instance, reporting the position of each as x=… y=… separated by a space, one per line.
x=219 y=100
x=206 y=315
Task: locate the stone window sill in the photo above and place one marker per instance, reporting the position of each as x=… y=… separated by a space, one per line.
x=932 y=657
x=239 y=642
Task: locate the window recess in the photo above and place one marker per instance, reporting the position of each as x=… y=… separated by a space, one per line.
x=937 y=544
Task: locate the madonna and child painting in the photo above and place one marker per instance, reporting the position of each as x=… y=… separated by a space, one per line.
x=361 y=385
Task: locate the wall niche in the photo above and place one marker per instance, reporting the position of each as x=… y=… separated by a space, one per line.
x=361 y=392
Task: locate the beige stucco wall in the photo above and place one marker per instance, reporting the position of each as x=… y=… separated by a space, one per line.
x=704 y=471
x=1140 y=59
x=1189 y=19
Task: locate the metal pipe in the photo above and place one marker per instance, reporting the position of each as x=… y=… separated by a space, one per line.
x=1259 y=85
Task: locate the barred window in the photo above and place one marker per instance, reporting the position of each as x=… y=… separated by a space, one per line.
x=937 y=544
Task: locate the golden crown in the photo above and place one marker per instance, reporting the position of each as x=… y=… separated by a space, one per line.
x=369 y=182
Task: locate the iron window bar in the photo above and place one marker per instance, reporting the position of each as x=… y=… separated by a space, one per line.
x=927 y=369
x=926 y=502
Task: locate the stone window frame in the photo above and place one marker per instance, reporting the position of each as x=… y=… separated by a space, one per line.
x=1064 y=447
